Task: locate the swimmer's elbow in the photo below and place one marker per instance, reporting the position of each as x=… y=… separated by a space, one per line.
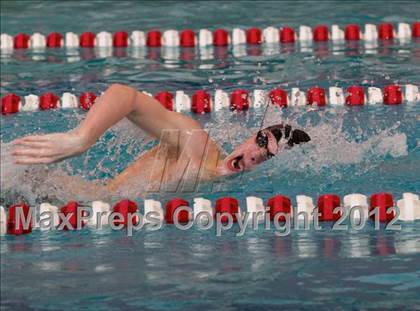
x=122 y=91
x=119 y=88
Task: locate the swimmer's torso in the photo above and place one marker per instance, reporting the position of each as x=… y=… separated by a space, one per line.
x=164 y=165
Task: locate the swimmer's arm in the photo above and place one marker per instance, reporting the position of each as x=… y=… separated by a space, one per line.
x=121 y=101
x=116 y=103
x=146 y=112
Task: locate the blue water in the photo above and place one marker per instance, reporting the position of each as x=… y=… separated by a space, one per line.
x=366 y=150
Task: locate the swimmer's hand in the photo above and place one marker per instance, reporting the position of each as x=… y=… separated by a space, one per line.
x=44 y=149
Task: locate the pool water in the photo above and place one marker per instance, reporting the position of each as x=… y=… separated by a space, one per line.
x=353 y=150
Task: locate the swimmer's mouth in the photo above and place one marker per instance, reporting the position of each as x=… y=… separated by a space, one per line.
x=236 y=164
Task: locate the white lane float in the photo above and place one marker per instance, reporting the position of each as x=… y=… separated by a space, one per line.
x=255 y=208
x=100 y=214
x=3 y=221
x=409 y=207
x=48 y=217
x=357 y=205
x=202 y=209
x=153 y=209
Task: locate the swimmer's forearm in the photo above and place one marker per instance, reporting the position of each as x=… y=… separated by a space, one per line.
x=115 y=104
x=121 y=101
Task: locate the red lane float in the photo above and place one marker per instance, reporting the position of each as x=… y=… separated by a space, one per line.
x=21 y=41
x=320 y=33
x=54 y=40
x=316 y=95
x=386 y=31
x=287 y=35
x=416 y=30
x=172 y=206
x=278 y=97
x=48 y=101
x=10 y=104
x=227 y=205
x=154 y=38
x=126 y=208
x=166 y=99
x=220 y=37
x=16 y=226
x=187 y=38
x=392 y=95
x=239 y=100
x=201 y=102
x=352 y=32
x=87 y=40
x=253 y=36
x=356 y=96
x=86 y=100
x=326 y=205
x=279 y=204
x=384 y=202
x=120 y=39
x=72 y=209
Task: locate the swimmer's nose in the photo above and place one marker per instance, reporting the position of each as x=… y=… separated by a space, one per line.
x=256 y=157
x=298 y=136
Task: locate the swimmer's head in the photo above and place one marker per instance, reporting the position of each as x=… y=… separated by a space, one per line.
x=262 y=146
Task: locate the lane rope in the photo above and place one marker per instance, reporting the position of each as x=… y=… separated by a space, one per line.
x=202 y=101
x=277 y=208
x=170 y=54
x=403 y=32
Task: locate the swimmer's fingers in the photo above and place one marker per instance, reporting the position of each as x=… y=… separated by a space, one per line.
x=32 y=144
x=34 y=152
x=33 y=138
x=32 y=160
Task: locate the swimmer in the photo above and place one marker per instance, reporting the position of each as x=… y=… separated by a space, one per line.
x=185 y=149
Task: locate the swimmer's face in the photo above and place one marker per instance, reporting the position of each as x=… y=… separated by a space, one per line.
x=262 y=146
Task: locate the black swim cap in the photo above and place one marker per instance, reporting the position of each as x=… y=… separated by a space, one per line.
x=295 y=136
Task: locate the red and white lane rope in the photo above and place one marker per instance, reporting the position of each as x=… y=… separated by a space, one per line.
x=202 y=101
x=219 y=37
x=276 y=208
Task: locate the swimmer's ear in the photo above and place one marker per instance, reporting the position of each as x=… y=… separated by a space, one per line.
x=298 y=136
